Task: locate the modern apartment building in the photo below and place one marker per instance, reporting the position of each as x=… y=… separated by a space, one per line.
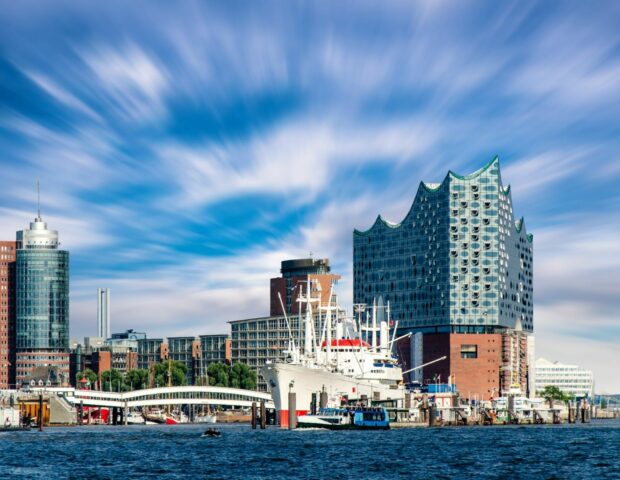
x=296 y=276
x=571 y=379
x=187 y=351
x=103 y=313
x=258 y=340
x=7 y=311
x=150 y=351
x=41 y=303
x=458 y=263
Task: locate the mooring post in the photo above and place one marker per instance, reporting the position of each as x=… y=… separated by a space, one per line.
x=323 y=399
x=263 y=415
x=431 y=415
x=292 y=410
x=253 y=415
x=80 y=413
x=40 y=416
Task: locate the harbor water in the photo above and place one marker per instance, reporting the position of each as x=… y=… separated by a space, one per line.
x=179 y=452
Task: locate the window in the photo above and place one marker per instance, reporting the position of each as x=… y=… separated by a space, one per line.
x=469 y=351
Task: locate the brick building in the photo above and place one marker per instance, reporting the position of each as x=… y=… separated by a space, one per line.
x=7 y=312
x=294 y=280
x=458 y=274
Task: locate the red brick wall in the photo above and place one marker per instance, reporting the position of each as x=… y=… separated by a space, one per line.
x=132 y=361
x=474 y=377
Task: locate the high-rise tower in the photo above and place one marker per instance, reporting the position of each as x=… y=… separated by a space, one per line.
x=41 y=303
x=457 y=264
x=103 y=313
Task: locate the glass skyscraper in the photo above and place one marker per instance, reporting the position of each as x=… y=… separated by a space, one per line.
x=41 y=303
x=457 y=263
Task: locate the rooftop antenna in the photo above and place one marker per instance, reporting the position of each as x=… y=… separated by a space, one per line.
x=38 y=200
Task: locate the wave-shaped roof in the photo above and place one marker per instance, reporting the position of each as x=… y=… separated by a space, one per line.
x=436 y=187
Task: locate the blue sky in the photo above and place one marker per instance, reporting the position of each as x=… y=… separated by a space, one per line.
x=185 y=149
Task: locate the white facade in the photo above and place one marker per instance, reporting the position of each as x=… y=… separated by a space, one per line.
x=571 y=379
x=103 y=313
x=37 y=236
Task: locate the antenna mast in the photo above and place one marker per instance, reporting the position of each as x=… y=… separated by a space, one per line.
x=38 y=201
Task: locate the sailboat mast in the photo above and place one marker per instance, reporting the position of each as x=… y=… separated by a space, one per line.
x=374 y=323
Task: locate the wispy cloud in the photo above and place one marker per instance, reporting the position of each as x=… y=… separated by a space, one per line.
x=185 y=150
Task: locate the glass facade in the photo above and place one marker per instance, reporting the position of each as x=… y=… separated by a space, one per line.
x=42 y=300
x=458 y=262
x=149 y=352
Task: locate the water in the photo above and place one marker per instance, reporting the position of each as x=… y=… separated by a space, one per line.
x=178 y=452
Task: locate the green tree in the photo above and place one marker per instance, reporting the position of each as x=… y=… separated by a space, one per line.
x=551 y=393
x=112 y=381
x=137 y=379
x=242 y=376
x=177 y=371
x=219 y=374
x=89 y=375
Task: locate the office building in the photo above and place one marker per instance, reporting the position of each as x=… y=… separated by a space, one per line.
x=296 y=274
x=571 y=379
x=458 y=263
x=103 y=313
x=41 y=303
x=7 y=311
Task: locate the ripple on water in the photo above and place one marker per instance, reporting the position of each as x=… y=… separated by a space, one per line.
x=178 y=452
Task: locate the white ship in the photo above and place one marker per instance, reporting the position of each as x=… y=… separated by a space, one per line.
x=335 y=370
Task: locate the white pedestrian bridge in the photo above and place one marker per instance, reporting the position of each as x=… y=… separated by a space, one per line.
x=187 y=395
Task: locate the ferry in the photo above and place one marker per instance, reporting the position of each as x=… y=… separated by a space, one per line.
x=360 y=418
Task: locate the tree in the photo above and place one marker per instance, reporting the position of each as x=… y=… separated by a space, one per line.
x=177 y=370
x=242 y=376
x=219 y=375
x=89 y=375
x=112 y=381
x=137 y=379
x=552 y=393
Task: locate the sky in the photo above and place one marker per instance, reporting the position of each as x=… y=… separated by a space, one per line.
x=185 y=148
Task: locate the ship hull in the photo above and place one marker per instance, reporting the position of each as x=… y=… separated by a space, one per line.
x=283 y=378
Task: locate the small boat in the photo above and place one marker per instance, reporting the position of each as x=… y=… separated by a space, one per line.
x=12 y=420
x=135 y=418
x=359 y=418
x=205 y=418
x=212 y=432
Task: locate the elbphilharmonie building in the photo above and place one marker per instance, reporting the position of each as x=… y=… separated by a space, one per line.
x=458 y=263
